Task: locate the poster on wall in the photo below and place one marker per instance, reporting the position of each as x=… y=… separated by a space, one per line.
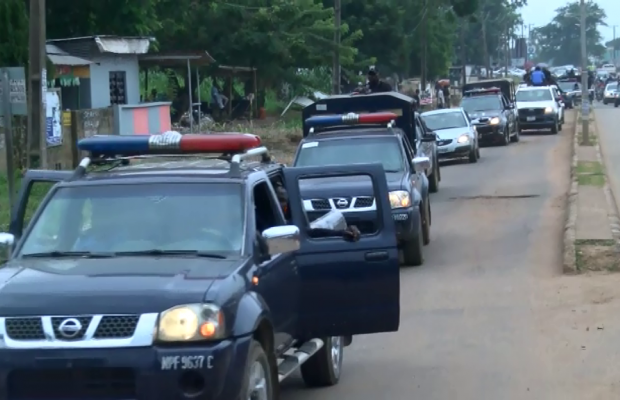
x=52 y=119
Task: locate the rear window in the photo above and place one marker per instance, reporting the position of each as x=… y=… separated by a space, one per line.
x=386 y=151
x=481 y=103
x=534 y=95
x=141 y=217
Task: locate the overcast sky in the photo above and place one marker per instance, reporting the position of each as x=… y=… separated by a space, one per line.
x=541 y=12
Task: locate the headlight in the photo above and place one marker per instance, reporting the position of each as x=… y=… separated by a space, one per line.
x=400 y=199
x=463 y=139
x=494 y=121
x=191 y=322
x=548 y=110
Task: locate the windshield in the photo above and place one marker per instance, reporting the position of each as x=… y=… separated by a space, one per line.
x=482 y=103
x=139 y=218
x=534 y=95
x=436 y=122
x=569 y=86
x=612 y=86
x=386 y=151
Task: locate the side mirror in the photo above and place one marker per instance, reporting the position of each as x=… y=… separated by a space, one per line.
x=281 y=239
x=429 y=137
x=7 y=240
x=421 y=164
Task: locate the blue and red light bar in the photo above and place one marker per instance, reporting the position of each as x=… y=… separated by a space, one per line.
x=351 y=119
x=169 y=143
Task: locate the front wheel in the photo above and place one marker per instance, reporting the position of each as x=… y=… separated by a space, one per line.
x=433 y=180
x=257 y=381
x=473 y=155
x=506 y=138
x=516 y=136
x=412 y=249
x=554 y=128
x=323 y=368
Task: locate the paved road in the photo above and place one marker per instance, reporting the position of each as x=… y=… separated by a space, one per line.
x=472 y=324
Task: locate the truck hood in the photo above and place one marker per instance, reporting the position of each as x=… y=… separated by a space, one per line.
x=534 y=104
x=483 y=114
x=318 y=188
x=124 y=285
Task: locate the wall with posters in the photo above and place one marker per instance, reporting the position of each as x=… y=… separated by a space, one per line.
x=53 y=129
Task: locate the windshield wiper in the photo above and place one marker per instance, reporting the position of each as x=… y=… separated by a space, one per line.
x=159 y=252
x=60 y=254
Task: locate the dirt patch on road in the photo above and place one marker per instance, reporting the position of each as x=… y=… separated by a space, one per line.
x=597 y=255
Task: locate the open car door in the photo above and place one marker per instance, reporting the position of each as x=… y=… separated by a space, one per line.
x=30 y=196
x=347 y=288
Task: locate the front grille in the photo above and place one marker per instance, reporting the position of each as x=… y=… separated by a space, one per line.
x=528 y=112
x=362 y=202
x=57 y=321
x=30 y=328
x=444 y=142
x=117 y=326
x=320 y=204
x=71 y=384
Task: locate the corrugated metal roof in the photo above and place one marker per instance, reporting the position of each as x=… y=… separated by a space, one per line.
x=114 y=44
x=60 y=57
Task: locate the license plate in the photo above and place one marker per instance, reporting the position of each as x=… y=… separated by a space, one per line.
x=442 y=150
x=531 y=118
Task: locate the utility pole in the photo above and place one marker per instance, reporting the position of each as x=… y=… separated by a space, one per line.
x=485 y=46
x=463 y=54
x=37 y=79
x=585 y=100
x=506 y=52
x=424 y=45
x=613 y=51
x=336 y=67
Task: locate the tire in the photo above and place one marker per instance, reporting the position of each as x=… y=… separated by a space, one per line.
x=426 y=223
x=616 y=104
x=473 y=156
x=412 y=250
x=257 y=360
x=325 y=366
x=478 y=150
x=554 y=128
x=433 y=180
x=516 y=137
x=506 y=139
x=604 y=102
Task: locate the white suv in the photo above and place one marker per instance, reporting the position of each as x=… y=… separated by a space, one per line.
x=539 y=108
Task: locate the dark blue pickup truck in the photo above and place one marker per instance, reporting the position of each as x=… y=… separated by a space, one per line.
x=165 y=274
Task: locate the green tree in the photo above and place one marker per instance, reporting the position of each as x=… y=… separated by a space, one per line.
x=13 y=33
x=560 y=39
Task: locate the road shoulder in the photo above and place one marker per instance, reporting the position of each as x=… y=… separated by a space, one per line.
x=592 y=231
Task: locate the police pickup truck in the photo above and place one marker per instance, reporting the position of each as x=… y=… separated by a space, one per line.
x=360 y=138
x=183 y=278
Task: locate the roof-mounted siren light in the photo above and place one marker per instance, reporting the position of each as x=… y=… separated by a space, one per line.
x=169 y=143
x=351 y=119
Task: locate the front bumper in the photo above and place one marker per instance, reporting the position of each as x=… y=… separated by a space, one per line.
x=490 y=133
x=209 y=372
x=453 y=149
x=539 y=121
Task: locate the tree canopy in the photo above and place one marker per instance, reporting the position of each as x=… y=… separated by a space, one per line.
x=560 y=39
x=281 y=36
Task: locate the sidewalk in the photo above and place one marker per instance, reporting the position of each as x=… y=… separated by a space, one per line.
x=592 y=234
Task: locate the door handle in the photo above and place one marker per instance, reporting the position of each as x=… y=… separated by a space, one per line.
x=377 y=256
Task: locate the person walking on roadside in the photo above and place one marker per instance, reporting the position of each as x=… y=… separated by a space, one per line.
x=538 y=77
x=441 y=99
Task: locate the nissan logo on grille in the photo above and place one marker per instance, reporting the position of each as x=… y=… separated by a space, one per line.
x=341 y=203
x=70 y=328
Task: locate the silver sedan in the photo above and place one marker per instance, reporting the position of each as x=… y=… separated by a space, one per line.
x=456 y=136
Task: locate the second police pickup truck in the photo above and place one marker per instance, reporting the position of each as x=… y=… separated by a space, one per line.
x=181 y=277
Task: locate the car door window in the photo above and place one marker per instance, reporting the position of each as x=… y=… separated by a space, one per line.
x=265 y=207
x=408 y=153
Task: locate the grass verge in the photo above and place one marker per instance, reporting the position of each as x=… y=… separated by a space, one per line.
x=590 y=173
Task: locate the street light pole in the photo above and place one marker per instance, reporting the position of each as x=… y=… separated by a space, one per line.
x=585 y=100
x=613 y=48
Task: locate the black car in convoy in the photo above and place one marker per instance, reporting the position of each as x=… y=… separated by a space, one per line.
x=405 y=173
x=492 y=114
x=184 y=277
x=408 y=120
